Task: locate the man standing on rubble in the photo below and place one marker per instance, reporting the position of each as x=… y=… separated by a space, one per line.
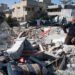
x=64 y=24
x=70 y=39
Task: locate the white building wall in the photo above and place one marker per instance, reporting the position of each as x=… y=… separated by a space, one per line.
x=68 y=13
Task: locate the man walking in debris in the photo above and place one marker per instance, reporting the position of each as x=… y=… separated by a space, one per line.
x=70 y=39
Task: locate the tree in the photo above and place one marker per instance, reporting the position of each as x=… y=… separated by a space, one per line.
x=12 y=21
x=2 y=17
x=38 y=14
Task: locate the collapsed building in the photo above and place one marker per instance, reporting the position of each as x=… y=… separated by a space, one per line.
x=35 y=51
x=43 y=50
x=5 y=36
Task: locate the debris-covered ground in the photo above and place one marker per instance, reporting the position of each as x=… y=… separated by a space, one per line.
x=36 y=51
x=5 y=36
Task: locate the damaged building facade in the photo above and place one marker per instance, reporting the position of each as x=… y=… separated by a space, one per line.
x=62 y=11
x=56 y=10
x=23 y=9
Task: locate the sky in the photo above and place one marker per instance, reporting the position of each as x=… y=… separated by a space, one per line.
x=10 y=2
x=57 y=1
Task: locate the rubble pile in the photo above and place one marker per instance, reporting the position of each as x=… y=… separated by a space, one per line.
x=45 y=36
x=42 y=52
x=5 y=36
x=55 y=58
x=59 y=61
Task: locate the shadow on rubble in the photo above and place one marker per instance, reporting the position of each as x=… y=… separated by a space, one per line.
x=49 y=64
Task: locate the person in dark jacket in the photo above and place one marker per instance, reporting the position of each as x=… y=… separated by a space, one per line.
x=70 y=39
x=64 y=24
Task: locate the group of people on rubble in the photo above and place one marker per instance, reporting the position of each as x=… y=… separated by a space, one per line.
x=70 y=38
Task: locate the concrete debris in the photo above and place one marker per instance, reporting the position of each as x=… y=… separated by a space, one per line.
x=66 y=72
x=41 y=50
x=5 y=36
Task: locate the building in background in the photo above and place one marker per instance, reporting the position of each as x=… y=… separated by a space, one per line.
x=62 y=11
x=25 y=8
x=44 y=4
x=45 y=1
x=54 y=10
x=3 y=7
